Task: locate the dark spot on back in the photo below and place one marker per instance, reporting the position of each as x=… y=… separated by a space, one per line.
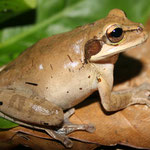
x=1 y=103
x=51 y=66
x=31 y=83
x=89 y=76
x=99 y=79
x=10 y=88
x=80 y=88
x=69 y=58
x=67 y=91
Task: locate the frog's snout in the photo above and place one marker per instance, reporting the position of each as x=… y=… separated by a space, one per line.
x=139 y=29
x=142 y=30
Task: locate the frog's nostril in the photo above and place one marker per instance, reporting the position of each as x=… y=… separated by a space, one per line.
x=141 y=25
x=139 y=29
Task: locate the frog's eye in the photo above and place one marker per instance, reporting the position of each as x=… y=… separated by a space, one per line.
x=115 y=35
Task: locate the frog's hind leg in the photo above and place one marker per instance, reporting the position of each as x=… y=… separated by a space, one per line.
x=32 y=111
x=69 y=127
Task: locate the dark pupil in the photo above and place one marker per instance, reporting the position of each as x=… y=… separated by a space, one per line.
x=117 y=32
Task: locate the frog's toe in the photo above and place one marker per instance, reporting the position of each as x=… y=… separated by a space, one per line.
x=60 y=137
x=68 y=128
x=90 y=128
x=68 y=143
x=141 y=94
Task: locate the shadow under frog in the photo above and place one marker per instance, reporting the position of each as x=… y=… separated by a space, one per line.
x=126 y=68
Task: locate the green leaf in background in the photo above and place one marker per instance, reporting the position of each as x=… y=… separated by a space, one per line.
x=11 y=8
x=4 y=124
x=54 y=16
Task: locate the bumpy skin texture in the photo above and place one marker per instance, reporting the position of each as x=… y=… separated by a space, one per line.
x=58 y=72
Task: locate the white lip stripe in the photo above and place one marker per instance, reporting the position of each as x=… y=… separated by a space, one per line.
x=110 y=50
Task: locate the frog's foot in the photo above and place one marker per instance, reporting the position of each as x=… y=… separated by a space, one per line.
x=67 y=128
x=62 y=138
x=141 y=94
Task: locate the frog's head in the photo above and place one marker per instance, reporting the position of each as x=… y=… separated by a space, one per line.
x=113 y=35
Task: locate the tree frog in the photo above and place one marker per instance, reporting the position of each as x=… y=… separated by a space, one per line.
x=60 y=71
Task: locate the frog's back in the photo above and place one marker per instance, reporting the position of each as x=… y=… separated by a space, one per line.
x=44 y=55
x=49 y=65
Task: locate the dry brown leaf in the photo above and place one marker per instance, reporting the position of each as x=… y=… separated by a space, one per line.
x=130 y=126
x=14 y=137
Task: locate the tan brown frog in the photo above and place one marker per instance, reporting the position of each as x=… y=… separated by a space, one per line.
x=61 y=71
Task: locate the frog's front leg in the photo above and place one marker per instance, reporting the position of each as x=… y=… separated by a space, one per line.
x=113 y=101
x=35 y=112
